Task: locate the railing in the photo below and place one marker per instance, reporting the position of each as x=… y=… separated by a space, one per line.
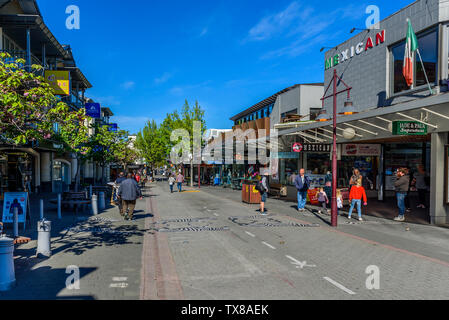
x=15 y=55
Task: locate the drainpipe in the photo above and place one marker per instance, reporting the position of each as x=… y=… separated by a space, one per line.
x=28 y=51
x=44 y=56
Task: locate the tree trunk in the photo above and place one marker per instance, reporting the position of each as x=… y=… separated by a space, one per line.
x=191 y=173
x=78 y=171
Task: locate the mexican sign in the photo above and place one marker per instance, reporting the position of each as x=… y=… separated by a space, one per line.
x=355 y=50
x=93 y=110
x=361 y=150
x=12 y=201
x=409 y=128
x=316 y=147
x=59 y=81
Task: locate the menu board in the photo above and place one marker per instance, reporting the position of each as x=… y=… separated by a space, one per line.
x=12 y=201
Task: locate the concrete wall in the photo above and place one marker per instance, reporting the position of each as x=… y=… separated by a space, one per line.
x=439 y=211
x=368 y=72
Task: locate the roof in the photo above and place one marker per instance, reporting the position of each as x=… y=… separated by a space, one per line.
x=270 y=100
x=27 y=6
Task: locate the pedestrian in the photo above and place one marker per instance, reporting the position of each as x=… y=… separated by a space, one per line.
x=302 y=184
x=409 y=173
x=339 y=201
x=356 y=176
x=119 y=180
x=180 y=181
x=401 y=186
x=128 y=192
x=328 y=185
x=421 y=186
x=263 y=189
x=356 y=196
x=171 y=182
x=323 y=200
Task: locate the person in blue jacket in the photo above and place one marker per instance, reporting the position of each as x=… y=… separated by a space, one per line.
x=302 y=184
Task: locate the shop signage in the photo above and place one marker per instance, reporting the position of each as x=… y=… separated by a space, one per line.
x=314 y=147
x=362 y=150
x=355 y=50
x=14 y=200
x=409 y=128
x=59 y=81
x=93 y=110
x=113 y=127
x=297 y=147
x=287 y=155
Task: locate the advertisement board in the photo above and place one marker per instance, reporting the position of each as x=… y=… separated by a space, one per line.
x=362 y=150
x=59 y=81
x=14 y=200
x=93 y=110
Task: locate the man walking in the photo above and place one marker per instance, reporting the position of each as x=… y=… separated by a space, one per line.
x=117 y=200
x=128 y=192
x=402 y=186
x=302 y=184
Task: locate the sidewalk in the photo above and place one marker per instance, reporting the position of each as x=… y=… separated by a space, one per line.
x=106 y=249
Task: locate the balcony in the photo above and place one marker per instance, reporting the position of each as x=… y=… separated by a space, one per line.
x=15 y=55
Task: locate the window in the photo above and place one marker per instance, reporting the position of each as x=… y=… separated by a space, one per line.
x=428 y=47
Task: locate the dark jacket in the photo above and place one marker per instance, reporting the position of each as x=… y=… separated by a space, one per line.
x=402 y=184
x=120 y=180
x=129 y=190
x=302 y=187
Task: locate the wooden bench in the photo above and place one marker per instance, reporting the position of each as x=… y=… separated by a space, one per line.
x=276 y=190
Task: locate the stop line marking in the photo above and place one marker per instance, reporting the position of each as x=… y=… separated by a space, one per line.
x=340 y=286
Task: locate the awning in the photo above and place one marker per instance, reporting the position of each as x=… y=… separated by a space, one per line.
x=376 y=125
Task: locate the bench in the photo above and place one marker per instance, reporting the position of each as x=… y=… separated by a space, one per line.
x=74 y=199
x=278 y=190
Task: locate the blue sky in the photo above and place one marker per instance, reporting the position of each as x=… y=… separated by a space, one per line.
x=144 y=58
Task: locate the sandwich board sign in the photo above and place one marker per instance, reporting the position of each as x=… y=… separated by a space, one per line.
x=15 y=200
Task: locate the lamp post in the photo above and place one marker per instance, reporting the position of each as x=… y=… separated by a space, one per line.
x=349 y=109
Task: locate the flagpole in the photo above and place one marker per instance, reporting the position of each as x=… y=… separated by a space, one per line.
x=425 y=73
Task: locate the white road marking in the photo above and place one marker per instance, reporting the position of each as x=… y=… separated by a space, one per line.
x=121 y=285
x=339 y=286
x=300 y=264
x=217 y=215
x=119 y=279
x=250 y=234
x=268 y=245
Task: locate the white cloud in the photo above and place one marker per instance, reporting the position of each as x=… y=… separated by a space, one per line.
x=128 y=85
x=277 y=22
x=106 y=100
x=164 y=78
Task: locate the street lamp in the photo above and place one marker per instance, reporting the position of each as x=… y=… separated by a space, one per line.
x=349 y=109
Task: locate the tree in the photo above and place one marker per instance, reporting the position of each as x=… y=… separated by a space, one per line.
x=73 y=133
x=122 y=149
x=28 y=106
x=151 y=144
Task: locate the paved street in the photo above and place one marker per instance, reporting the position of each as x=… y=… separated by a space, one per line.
x=208 y=245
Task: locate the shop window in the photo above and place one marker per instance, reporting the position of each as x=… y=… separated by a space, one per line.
x=428 y=47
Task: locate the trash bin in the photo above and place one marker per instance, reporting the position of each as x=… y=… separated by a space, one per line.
x=249 y=193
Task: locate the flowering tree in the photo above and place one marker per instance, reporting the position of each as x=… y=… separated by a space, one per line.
x=28 y=107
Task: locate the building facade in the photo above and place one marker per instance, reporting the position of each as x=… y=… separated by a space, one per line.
x=396 y=125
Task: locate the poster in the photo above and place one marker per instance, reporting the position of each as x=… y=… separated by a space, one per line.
x=14 y=200
x=316 y=180
x=59 y=81
x=362 y=150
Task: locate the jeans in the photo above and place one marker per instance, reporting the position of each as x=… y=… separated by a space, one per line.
x=401 y=202
x=302 y=199
x=264 y=197
x=171 y=188
x=359 y=207
x=180 y=186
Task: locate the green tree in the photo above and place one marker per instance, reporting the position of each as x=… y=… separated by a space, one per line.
x=150 y=143
x=122 y=149
x=28 y=106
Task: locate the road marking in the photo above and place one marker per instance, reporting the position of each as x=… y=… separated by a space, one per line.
x=268 y=245
x=217 y=215
x=119 y=279
x=339 y=286
x=250 y=234
x=300 y=264
x=121 y=285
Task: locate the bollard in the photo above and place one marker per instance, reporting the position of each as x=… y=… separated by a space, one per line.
x=59 y=206
x=16 y=223
x=42 y=210
x=7 y=274
x=90 y=192
x=94 y=204
x=102 y=202
x=44 y=239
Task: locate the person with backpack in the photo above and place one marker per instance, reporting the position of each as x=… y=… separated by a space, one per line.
x=302 y=184
x=356 y=196
x=262 y=187
x=171 y=182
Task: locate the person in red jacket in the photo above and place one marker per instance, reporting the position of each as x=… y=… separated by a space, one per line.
x=356 y=196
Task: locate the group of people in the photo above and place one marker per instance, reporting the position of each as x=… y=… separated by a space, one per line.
x=127 y=194
x=178 y=179
x=404 y=184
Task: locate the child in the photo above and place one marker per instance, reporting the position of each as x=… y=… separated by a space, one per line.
x=355 y=198
x=171 y=182
x=323 y=199
x=339 y=201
